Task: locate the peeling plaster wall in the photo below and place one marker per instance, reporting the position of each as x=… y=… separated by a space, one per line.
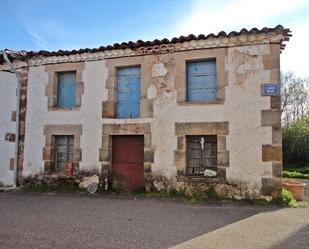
x=164 y=112
x=8 y=84
x=244 y=104
x=89 y=116
x=241 y=108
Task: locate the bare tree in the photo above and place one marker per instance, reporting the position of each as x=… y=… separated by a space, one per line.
x=294 y=98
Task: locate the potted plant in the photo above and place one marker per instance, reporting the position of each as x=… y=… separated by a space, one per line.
x=296 y=188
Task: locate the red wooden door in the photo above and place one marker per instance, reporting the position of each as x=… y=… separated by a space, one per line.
x=128 y=162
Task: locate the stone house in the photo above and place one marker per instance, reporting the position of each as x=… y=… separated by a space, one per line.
x=186 y=113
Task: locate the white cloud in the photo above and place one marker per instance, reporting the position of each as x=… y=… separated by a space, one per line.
x=38 y=39
x=213 y=16
x=51 y=35
x=207 y=16
x=296 y=54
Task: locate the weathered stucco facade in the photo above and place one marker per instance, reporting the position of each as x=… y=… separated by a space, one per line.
x=246 y=123
x=8 y=85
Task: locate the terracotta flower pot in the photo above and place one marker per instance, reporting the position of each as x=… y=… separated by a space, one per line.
x=296 y=188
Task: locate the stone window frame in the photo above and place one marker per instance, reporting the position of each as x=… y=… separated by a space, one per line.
x=146 y=105
x=110 y=130
x=182 y=58
x=48 y=155
x=220 y=129
x=51 y=91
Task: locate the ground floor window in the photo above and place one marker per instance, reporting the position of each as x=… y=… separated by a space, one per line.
x=64 y=151
x=202 y=155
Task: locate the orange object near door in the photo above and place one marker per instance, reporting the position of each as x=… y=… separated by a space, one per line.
x=69 y=168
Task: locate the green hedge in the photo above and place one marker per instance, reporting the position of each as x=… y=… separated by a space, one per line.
x=295 y=139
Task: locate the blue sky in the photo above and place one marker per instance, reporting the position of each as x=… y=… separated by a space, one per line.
x=69 y=24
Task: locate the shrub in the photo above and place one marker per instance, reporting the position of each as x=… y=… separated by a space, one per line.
x=295 y=174
x=287 y=198
x=175 y=193
x=296 y=142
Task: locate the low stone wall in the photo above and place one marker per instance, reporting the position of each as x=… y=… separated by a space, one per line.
x=191 y=186
x=94 y=181
x=91 y=181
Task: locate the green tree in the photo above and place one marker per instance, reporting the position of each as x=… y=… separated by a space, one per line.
x=296 y=142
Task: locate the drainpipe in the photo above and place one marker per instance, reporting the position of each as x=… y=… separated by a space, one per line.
x=5 y=57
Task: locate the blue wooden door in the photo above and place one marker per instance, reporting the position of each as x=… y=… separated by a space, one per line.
x=66 y=89
x=128 y=92
x=201 y=81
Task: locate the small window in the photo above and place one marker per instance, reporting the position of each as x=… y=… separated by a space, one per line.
x=201 y=81
x=128 y=92
x=64 y=151
x=201 y=154
x=66 y=90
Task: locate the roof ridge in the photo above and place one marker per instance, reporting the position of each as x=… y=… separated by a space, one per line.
x=140 y=43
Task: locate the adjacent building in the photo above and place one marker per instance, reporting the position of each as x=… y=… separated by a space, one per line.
x=186 y=113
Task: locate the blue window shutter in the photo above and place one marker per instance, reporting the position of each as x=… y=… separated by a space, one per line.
x=66 y=89
x=201 y=81
x=128 y=92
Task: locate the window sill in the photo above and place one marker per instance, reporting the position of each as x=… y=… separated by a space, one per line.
x=77 y=108
x=202 y=179
x=129 y=120
x=59 y=175
x=188 y=103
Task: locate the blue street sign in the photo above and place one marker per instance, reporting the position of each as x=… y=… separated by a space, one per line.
x=271 y=89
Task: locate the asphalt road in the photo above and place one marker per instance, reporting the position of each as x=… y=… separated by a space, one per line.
x=76 y=221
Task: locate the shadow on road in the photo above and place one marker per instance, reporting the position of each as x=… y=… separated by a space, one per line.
x=298 y=240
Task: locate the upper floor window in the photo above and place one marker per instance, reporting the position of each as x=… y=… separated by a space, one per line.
x=201 y=81
x=128 y=92
x=66 y=91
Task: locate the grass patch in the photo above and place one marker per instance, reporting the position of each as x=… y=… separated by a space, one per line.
x=54 y=188
x=197 y=197
x=296 y=172
x=260 y=202
x=173 y=193
x=153 y=194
